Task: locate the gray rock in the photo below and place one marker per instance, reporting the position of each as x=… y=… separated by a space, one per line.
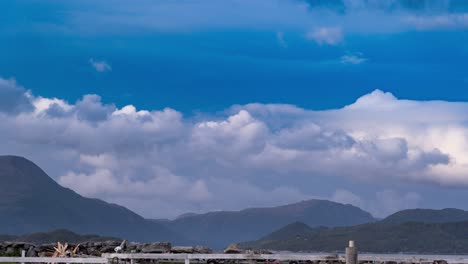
x=93 y=252
x=107 y=249
x=10 y=251
x=161 y=247
x=203 y=250
x=112 y=243
x=97 y=244
x=138 y=247
x=179 y=249
x=131 y=246
x=31 y=252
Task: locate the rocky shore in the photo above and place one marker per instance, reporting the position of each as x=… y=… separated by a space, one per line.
x=97 y=248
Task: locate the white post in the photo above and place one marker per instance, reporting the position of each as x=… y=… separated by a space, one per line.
x=187 y=260
x=23 y=254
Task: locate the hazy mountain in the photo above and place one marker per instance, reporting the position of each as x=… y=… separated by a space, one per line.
x=62 y=235
x=378 y=237
x=427 y=216
x=218 y=229
x=30 y=201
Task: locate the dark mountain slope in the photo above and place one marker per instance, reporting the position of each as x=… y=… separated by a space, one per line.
x=427 y=216
x=30 y=201
x=295 y=229
x=410 y=237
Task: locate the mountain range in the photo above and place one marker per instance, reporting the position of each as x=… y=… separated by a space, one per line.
x=409 y=231
x=31 y=201
x=222 y=228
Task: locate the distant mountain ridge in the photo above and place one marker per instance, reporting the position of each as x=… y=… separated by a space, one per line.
x=217 y=229
x=427 y=216
x=409 y=231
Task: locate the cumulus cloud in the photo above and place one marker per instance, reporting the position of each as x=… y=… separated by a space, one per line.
x=100 y=66
x=253 y=155
x=90 y=108
x=326 y=35
x=13 y=98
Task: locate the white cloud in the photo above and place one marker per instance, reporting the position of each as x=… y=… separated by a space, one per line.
x=326 y=35
x=355 y=58
x=13 y=98
x=148 y=158
x=100 y=66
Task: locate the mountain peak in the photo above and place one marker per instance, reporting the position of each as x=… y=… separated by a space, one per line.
x=22 y=176
x=31 y=201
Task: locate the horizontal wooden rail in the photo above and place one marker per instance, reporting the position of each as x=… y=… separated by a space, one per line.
x=303 y=257
x=108 y=258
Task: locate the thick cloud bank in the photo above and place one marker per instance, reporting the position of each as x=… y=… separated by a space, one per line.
x=160 y=163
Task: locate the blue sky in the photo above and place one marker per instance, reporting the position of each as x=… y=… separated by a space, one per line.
x=208 y=61
x=212 y=64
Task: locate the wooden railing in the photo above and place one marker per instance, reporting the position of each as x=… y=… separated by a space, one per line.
x=350 y=257
x=187 y=258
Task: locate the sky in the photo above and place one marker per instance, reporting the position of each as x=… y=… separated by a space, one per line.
x=176 y=106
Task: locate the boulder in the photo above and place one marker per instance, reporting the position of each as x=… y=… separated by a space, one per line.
x=111 y=243
x=31 y=252
x=107 y=249
x=97 y=244
x=10 y=251
x=203 y=250
x=160 y=247
x=130 y=247
x=180 y=249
